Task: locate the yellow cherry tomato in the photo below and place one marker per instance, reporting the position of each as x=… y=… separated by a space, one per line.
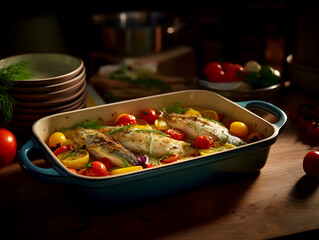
x=238 y=129
x=56 y=140
x=210 y=114
x=76 y=159
x=192 y=112
x=126 y=170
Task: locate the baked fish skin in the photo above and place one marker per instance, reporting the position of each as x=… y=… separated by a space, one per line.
x=195 y=126
x=145 y=140
x=100 y=145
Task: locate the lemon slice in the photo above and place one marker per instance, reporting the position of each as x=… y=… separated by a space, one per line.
x=210 y=114
x=126 y=170
x=74 y=159
x=192 y=112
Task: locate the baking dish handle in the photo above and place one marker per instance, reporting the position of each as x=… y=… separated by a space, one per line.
x=268 y=107
x=45 y=174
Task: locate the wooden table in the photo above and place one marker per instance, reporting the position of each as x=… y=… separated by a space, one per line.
x=275 y=202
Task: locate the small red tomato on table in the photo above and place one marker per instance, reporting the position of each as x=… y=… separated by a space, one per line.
x=312 y=130
x=149 y=115
x=8 y=147
x=311 y=163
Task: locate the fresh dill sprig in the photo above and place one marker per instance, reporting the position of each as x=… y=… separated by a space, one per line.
x=14 y=72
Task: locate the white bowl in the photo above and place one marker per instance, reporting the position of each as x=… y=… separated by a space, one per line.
x=48 y=68
x=302 y=77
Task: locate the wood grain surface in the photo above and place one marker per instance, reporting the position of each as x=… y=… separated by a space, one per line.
x=280 y=201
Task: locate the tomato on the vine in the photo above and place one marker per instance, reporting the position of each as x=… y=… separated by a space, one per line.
x=125 y=119
x=97 y=169
x=175 y=134
x=312 y=130
x=203 y=142
x=149 y=115
x=311 y=163
x=233 y=72
x=8 y=147
x=171 y=158
x=214 y=72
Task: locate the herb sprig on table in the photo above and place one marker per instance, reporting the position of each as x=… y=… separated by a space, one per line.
x=14 y=72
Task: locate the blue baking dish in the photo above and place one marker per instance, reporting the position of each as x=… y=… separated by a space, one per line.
x=154 y=182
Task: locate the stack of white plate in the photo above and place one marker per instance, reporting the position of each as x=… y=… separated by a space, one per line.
x=58 y=85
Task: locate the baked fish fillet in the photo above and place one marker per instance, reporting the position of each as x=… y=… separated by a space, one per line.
x=145 y=140
x=100 y=145
x=195 y=126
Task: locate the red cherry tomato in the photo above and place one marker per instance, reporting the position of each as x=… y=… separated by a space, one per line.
x=312 y=130
x=311 y=163
x=171 y=158
x=149 y=115
x=203 y=142
x=233 y=72
x=97 y=169
x=126 y=119
x=175 y=134
x=63 y=148
x=107 y=162
x=8 y=147
x=214 y=72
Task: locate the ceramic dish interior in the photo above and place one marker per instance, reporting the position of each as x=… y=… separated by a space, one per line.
x=48 y=68
x=206 y=99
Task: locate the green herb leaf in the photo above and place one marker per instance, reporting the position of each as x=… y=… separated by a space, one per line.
x=175 y=108
x=91 y=124
x=120 y=129
x=125 y=163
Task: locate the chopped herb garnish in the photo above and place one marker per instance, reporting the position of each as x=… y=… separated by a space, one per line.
x=120 y=129
x=154 y=131
x=125 y=163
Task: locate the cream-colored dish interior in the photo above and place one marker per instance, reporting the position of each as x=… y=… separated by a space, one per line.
x=200 y=98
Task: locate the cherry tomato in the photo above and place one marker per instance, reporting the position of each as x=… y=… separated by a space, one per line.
x=125 y=119
x=148 y=115
x=214 y=72
x=238 y=129
x=63 y=148
x=171 y=158
x=311 y=163
x=203 y=142
x=8 y=147
x=233 y=72
x=107 y=162
x=175 y=134
x=312 y=129
x=97 y=169
x=56 y=140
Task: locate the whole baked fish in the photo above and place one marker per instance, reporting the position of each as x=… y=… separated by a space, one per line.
x=145 y=140
x=195 y=126
x=100 y=145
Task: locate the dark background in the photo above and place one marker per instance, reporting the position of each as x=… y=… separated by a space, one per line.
x=236 y=31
